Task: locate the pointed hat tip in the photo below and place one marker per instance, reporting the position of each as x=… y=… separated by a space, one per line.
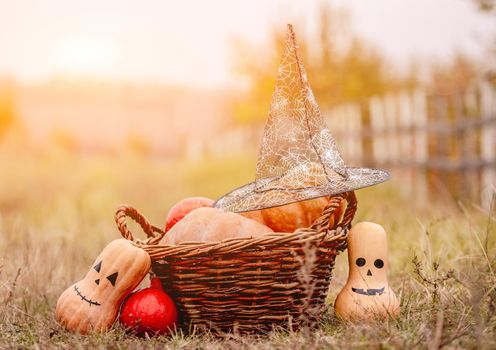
x=290 y=29
x=291 y=34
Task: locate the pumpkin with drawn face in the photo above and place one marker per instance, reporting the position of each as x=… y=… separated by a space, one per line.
x=367 y=295
x=92 y=304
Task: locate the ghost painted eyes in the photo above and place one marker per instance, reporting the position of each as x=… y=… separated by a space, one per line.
x=379 y=263
x=360 y=262
x=112 y=278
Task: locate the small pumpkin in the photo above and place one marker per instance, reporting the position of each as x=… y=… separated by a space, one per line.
x=367 y=294
x=92 y=304
x=182 y=208
x=212 y=225
x=150 y=310
x=289 y=217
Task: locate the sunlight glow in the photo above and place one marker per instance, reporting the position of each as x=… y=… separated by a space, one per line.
x=78 y=56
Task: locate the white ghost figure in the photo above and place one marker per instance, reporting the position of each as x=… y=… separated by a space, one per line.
x=367 y=295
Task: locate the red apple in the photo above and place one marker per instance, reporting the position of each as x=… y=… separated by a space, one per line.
x=149 y=310
x=181 y=209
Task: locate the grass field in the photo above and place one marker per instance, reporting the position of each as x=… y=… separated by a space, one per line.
x=56 y=214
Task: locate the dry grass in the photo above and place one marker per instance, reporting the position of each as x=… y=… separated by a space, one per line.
x=56 y=213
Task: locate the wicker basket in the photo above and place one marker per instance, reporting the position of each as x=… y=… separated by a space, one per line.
x=249 y=285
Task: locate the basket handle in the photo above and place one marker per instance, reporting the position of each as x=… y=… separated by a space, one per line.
x=324 y=223
x=154 y=233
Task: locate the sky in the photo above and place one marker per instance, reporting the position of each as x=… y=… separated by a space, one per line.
x=190 y=42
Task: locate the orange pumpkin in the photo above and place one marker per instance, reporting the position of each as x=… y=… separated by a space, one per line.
x=212 y=225
x=92 y=304
x=367 y=294
x=289 y=217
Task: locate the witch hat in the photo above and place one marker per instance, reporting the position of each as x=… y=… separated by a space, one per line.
x=298 y=158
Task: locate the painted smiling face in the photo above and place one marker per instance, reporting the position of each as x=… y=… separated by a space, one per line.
x=367 y=294
x=92 y=303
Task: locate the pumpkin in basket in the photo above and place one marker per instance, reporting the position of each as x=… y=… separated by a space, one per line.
x=92 y=303
x=183 y=207
x=212 y=225
x=289 y=217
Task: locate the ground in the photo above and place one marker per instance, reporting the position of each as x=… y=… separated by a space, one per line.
x=56 y=214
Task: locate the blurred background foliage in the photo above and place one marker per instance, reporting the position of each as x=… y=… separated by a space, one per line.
x=87 y=113
x=344 y=67
x=8 y=115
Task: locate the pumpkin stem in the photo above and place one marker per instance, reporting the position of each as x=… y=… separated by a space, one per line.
x=156 y=284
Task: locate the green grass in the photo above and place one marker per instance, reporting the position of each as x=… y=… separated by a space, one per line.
x=56 y=214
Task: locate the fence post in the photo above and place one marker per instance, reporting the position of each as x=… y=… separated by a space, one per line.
x=488 y=146
x=390 y=114
x=420 y=140
x=405 y=145
x=471 y=140
x=377 y=131
x=459 y=145
x=442 y=179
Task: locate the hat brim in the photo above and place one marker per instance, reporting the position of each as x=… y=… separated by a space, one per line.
x=254 y=196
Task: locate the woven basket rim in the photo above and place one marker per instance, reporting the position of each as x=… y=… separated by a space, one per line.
x=320 y=230
x=232 y=245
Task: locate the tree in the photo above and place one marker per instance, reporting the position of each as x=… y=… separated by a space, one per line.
x=7 y=107
x=453 y=77
x=486 y=5
x=342 y=68
x=489 y=7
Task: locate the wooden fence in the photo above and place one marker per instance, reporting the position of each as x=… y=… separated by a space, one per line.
x=433 y=144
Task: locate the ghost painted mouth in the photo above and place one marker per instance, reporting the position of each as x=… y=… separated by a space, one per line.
x=89 y=301
x=370 y=291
